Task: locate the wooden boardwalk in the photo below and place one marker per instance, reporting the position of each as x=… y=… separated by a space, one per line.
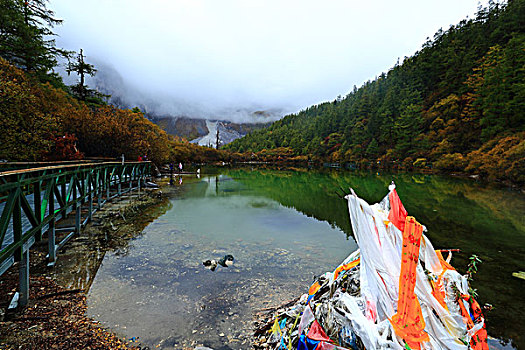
x=33 y=201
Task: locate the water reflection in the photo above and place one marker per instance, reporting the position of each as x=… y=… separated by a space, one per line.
x=277 y=251
x=283 y=227
x=478 y=219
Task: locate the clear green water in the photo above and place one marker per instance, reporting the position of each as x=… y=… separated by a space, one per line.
x=283 y=227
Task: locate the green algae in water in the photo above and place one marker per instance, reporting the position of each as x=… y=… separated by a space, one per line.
x=283 y=227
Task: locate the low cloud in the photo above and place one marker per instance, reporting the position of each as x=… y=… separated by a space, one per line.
x=227 y=59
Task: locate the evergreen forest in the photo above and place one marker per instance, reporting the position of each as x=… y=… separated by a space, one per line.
x=456 y=105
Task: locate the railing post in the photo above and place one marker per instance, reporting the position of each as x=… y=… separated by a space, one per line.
x=64 y=196
x=51 y=228
x=21 y=255
x=17 y=225
x=119 y=186
x=90 y=199
x=131 y=179
x=78 y=219
x=23 y=274
x=83 y=186
x=78 y=208
x=139 y=177
x=97 y=186
x=37 y=201
x=108 y=184
x=89 y=194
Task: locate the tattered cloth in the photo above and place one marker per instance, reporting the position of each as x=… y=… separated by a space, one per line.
x=395 y=292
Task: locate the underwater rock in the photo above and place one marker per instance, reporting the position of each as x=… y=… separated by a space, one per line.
x=225 y=261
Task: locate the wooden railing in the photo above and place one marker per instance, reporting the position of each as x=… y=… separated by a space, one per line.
x=32 y=201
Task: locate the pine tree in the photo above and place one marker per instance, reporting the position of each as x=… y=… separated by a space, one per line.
x=82 y=68
x=11 y=21
x=372 y=149
x=25 y=32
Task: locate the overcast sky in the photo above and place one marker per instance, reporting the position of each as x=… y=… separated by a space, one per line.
x=209 y=57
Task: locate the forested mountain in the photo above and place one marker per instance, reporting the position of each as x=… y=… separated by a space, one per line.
x=458 y=104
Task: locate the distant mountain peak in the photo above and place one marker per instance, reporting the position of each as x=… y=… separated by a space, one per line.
x=204 y=131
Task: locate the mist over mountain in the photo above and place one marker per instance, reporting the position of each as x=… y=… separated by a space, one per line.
x=162 y=105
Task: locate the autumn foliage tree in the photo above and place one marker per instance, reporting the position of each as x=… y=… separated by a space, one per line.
x=41 y=119
x=27 y=121
x=41 y=122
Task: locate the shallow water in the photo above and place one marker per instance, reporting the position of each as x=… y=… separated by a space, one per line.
x=160 y=291
x=283 y=227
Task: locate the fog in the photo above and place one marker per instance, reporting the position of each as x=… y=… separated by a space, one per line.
x=226 y=59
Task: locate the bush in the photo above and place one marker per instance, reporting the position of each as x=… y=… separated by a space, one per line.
x=420 y=163
x=408 y=163
x=451 y=162
x=503 y=159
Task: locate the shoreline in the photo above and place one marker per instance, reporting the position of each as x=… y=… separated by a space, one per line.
x=55 y=316
x=420 y=171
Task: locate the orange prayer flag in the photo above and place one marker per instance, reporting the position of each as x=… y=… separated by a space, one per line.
x=408 y=322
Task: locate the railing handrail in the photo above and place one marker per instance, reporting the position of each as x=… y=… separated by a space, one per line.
x=58 y=167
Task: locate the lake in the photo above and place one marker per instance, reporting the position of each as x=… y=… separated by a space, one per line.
x=284 y=227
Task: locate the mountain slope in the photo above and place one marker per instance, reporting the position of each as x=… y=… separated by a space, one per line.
x=458 y=103
x=203 y=131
